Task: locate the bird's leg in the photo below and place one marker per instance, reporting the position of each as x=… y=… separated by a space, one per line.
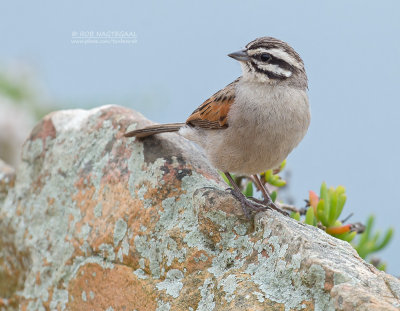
x=264 y=191
x=246 y=204
x=267 y=197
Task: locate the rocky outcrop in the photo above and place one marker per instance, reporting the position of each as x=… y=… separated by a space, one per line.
x=95 y=221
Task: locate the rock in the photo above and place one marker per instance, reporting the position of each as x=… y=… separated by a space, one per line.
x=95 y=221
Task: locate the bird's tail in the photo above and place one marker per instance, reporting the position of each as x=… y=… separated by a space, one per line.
x=155 y=129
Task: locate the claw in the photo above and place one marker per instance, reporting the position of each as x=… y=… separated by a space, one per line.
x=273 y=206
x=247 y=204
x=256 y=200
x=269 y=204
x=255 y=205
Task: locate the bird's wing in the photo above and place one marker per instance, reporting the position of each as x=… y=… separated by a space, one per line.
x=213 y=113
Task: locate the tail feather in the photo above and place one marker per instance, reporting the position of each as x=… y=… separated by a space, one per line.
x=155 y=129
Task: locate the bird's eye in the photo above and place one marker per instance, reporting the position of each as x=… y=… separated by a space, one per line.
x=265 y=57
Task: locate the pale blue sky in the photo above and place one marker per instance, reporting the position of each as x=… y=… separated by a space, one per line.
x=351 y=50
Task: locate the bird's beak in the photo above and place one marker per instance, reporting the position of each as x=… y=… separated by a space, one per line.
x=241 y=56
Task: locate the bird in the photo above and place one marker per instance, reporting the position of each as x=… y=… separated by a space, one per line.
x=253 y=123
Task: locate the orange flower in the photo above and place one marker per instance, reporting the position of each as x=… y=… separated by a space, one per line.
x=314 y=199
x=339 y=230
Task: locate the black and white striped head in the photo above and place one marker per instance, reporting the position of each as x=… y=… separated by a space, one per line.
x=273 y=61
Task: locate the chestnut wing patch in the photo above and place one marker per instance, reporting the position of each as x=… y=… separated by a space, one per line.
x=213 y=113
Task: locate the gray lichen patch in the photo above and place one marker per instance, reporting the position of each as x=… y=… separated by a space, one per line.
x=98 y=210
x=84 y=298
x=279 y=280
x=59 y=299
x=107 y=251
x=85 y=231
x=229 y=285
x=176 y=214
x=140 y=274
x=163 y=306
x=149 y=248
x=207 y=301
x=119 y=231
x=234 y=249
x=172 y=283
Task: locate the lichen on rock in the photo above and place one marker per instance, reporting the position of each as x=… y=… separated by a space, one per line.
x=96 y=221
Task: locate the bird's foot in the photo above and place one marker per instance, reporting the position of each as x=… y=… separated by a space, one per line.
x=269 y=203
x=247 y=205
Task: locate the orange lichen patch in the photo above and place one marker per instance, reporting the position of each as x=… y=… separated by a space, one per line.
x=43 y=129
x=39 y=182
x=38 y=281
x=188 y=298
x=20 y=209
x=271 y=246
x=171 y=185
x=45 y=263
x=329 y=282
x=14 y=263
x=46 y=304
x=7 y=181
x=50 y=201
x=247 y=301
x=174 y=172
x=96 y=288
x=210 y=229
x=309 y=305
x=12 y=303
x=197 y=261
x=116 y=203
x=246 y=297
x=140 y=216
x=158 y=194
x=83 y=183
x=70 y=218
x=112 y=114
x=84 y=201
x=264 y=253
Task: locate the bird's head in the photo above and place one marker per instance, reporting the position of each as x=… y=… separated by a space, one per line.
x=269 y=60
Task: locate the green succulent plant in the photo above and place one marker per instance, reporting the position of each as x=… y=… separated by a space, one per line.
x=323 y=211
x=369 y=242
